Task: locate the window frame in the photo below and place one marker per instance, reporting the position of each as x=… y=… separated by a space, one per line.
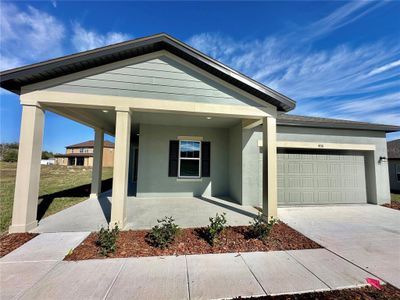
x=397 y=173
x=189 y=158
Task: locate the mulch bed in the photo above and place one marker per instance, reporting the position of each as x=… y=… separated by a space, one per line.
x=133 y=243
x=13 y=241
x=393 y=204
x=365 y=293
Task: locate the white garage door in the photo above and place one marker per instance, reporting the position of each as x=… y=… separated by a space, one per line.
x=320 y=177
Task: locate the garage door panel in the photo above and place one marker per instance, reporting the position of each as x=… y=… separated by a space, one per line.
x=321 y=177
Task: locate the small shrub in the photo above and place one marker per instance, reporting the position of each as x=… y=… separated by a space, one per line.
x=216 y=226
x=261 y=226
x=163 y=234
x=107 y=240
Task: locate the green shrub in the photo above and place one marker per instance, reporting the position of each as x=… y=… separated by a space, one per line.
x=216 y=226
x=107 y=240
x=261 y=226
x=163 y=234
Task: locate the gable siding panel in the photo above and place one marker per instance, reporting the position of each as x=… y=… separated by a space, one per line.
x=160 y=78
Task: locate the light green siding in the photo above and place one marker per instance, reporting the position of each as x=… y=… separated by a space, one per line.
x=160 y=78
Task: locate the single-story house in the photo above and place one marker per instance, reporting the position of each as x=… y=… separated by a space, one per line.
x=393 y=148
x=188 y=125
x=82 y=155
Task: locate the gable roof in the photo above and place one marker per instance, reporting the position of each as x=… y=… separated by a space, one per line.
x=296 y=120
x=14 y=79
x=393 y=149
x=90 y=144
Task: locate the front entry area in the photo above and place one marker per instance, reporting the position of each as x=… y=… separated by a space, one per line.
x=314 y=177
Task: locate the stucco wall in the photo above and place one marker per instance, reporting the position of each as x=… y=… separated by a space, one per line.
x=108 y=157
x=235 y=163
x=378 y=176
x=153 y=180
x=394 y=183
x=252 y=168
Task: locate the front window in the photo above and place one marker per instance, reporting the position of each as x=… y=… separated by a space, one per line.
x=398 y=172
x=189 y=159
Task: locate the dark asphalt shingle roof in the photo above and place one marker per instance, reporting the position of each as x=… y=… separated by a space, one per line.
x=393 y=149
x=296 y=120
x=14 y=79
x=90 y=144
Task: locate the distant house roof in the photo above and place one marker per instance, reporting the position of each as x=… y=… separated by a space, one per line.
x=295 y=120
x=90 y=144
x=393 y=148
x=74 y=155
x=14 y=79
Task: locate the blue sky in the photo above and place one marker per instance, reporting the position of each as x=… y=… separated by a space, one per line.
x=336 y=59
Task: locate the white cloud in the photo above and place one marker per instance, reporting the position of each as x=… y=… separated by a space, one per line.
x=83 y=39
x=340 y=17
x=347 y=81
x=28 y=34
x=385 y=68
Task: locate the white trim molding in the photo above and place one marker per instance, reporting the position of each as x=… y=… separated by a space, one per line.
x=322 y=145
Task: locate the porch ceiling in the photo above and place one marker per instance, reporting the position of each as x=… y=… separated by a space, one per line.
x=105 y=118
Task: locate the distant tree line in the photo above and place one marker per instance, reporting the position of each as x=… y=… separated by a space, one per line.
x=9 y=152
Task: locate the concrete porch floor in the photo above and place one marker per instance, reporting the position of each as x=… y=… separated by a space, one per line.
x=92 y=214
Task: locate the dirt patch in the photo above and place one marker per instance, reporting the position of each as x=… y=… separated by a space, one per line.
x=133 y=243
x=365 y=293
x=393 y=205
x=13 y=241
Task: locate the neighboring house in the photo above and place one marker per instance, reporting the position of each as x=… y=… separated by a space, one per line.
x=82 y=155
x=394 y=165
x=186 y=125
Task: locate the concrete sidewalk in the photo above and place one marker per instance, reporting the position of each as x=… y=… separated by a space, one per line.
x=207 y=276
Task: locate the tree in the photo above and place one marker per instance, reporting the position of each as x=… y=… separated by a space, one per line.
x=10 y=155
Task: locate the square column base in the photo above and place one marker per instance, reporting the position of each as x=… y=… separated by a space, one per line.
x=22 y=227
x=93 y=196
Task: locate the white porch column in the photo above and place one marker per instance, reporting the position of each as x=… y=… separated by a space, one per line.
x=121 y=167
x=28 y=169
x=97 y=163
x=270 y=190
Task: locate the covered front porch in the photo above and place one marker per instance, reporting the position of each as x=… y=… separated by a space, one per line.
x=143 y=213
x=143 y=190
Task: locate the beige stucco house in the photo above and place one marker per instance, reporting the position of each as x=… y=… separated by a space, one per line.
x=81 y=154
x=187 y=125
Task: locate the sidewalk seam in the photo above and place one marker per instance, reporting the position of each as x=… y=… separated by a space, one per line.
x=251 y=271
x=19 y=296
x=114 y=280
x=187 y=277
x=299 y=262
x=354 y=264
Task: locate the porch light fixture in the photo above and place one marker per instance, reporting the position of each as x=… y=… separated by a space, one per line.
x=209 y=118
x=382 y=159
x=105 y=111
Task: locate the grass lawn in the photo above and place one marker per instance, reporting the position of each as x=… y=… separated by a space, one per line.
x=395 y=197
x=56 y=188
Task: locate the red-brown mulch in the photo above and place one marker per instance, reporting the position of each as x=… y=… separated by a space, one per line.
x=366 y=293
x=393 y=205
x=133 y=243
x=13 y=241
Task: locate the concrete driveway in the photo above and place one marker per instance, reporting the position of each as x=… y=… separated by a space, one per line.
x=366 y=235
